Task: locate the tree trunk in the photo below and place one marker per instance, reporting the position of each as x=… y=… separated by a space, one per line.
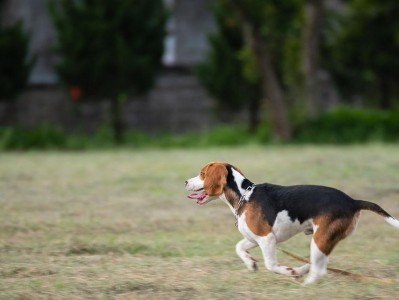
x=384 y=92
x=271 y=88
x=116 y=121
x=254 y=115
x=314 y=12
x=8 y=112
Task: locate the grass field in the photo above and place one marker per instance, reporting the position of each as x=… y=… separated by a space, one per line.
x=118 y=225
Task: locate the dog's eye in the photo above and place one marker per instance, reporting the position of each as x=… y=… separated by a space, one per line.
x=202 y=174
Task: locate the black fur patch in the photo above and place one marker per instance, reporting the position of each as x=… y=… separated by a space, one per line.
x=231 y=182
x=302 y=202
x=246 y=184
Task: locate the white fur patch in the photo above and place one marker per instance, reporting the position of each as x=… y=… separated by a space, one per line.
x=194 y=184
x=238 y=178
x=318 y=266
x=284 y=227
x=392 y=221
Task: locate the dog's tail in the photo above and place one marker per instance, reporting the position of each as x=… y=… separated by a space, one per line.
x=366 y=205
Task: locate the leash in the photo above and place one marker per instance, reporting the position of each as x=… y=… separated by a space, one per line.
x=343 y=272
x=241 y=201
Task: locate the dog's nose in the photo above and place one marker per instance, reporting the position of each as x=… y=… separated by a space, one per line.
x=185 y=183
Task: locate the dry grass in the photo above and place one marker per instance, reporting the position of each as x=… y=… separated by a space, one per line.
x=117 y=225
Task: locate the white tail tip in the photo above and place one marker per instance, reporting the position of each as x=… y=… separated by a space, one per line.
x=392 y=221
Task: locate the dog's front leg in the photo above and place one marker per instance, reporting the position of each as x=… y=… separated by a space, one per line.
x=268 y=247
x=242 y=249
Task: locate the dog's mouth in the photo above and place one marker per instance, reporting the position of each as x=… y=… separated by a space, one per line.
x=199 y=196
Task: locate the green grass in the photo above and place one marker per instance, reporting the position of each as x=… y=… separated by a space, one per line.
x=118 y=225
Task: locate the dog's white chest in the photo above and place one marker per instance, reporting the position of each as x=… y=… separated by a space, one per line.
x=244 y=229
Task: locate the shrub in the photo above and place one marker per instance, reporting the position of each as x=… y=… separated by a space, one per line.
x=43 y=137
x=349 y=125
x=340 y=126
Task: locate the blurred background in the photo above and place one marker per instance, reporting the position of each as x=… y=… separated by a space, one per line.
x=89 y=74
x=136 y=77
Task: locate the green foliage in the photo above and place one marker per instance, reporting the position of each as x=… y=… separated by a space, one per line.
x=221 y=136
x=230 y=72
x=108 y=48
x=43 y=137
x=348 y=125
x=48 y=137
x=363 y=51
x=227 y=73
x=280 y=24
x=342 y=126
x=14 y=63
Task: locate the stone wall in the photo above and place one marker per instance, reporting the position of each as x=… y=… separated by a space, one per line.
x=176 y=104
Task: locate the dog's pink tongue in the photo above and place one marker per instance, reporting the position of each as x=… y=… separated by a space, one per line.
x=197 y=196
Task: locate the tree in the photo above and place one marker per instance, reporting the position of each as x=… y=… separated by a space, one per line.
x=311 y=46
x=267 y=26
x=109 y=49
x=15 y=66
x=224 y=72
x=363 y=52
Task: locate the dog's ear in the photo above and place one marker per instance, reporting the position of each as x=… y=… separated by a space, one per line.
x=215 y=179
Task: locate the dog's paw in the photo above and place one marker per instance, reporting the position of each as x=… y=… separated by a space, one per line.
x=251 y=263
x=300 y=271
x=254 y=266
x=292 y=272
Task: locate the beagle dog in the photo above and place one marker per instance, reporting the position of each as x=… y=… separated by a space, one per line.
x=269 y=214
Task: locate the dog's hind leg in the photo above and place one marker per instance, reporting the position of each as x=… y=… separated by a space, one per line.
x=319 y=263
x=327 y=235
x=242 y=249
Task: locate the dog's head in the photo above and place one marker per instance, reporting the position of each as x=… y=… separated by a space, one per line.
x=210 y=183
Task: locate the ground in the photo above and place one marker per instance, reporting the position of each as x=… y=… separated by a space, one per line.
x=118 y=225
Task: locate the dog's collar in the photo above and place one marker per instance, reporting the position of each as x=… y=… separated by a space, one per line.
x=243 y=197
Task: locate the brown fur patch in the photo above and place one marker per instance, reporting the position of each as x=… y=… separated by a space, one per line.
x=253 y=214
x=331 y=231
x=352 y=226
x=232 y=197
x=255 y=221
